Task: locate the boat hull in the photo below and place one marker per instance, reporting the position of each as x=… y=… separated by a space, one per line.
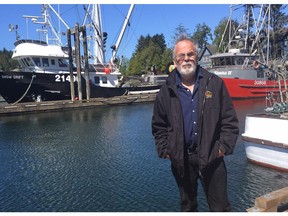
x=265 y=141
x=47 y=87
x=267 y=156
x=146 y=89
x=246 y=82
x=245 y=88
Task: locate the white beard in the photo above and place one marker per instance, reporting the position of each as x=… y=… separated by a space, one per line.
x=187 y=69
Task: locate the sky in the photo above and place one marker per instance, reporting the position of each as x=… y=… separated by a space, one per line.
x=146 y=19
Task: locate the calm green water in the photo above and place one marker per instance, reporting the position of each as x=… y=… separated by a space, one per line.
x=104 y=160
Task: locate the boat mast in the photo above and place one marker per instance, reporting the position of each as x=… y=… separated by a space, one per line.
x=268 y=34
x=98 y=45
x=116 y=46
x=247 y=26
x=230 y=27
x=262 y=23
x=46 y=23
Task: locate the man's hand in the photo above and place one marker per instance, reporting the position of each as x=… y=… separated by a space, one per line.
x=220 y=154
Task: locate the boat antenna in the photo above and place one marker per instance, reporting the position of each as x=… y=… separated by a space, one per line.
x=14 y=28
x=45 y=21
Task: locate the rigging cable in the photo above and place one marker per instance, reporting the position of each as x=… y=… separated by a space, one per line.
x=33 y=76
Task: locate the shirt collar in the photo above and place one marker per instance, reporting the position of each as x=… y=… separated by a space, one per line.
x=199 y=75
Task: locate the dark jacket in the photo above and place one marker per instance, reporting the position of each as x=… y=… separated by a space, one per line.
x=217 y=121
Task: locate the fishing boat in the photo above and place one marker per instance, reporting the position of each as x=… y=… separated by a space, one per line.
x=265 y=139
x=146 y=84
x=44 y=73
x=45 y=76
x=241 y=67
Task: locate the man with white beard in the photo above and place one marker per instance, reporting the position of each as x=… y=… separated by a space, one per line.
x=194 y=124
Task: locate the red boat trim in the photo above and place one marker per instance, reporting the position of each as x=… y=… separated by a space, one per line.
x=254 y=86
x=268 y=165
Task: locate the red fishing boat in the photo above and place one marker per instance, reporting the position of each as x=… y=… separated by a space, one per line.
x=245 y=67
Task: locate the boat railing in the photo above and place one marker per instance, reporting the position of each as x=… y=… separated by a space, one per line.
x=30 y=41
x=278 y=68
x=45 y=71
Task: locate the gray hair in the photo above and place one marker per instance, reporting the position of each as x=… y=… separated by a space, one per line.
x=182 y=37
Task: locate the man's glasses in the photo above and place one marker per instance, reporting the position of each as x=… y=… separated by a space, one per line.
x=182 y=56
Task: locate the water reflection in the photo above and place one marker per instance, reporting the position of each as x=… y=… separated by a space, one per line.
x=104 y=159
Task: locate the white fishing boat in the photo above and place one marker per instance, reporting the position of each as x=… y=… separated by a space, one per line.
x=44 y=72
x=265 y=137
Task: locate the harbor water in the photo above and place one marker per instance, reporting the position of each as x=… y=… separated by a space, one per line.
x=104 y=160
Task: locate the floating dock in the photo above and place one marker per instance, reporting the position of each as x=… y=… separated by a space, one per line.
x=276 y=201
x=46 y=106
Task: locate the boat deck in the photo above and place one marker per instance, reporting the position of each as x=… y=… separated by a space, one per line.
x=270 y=115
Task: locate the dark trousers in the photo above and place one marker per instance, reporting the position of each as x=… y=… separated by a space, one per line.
x=214 y=184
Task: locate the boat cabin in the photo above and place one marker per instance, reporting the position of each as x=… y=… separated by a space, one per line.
x=232 y=58
x=39 y=57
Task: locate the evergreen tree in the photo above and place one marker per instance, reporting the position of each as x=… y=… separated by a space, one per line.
x=6 y=63
x=202 y=35
x=148 y=54
x=279 y=32
x=180 y=30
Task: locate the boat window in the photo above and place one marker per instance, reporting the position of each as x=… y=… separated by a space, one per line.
x=238 y=60
x=52 y=61
x=29 y=61
x=228 y=61
x=37 y=61
x=45 y=62
x=25 y=62
x=96 y=80
x=215 y=62
x=62 y=63
x=260 y=73
x=222 y=61
x=22 y=62
x=104 y=80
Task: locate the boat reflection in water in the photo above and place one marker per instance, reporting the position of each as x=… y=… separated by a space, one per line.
x=104 y=160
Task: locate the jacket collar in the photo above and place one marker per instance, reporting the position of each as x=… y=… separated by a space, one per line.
x=171 y=80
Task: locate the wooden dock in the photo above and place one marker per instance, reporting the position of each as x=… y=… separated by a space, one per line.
x=46 y=106
x=276 y=201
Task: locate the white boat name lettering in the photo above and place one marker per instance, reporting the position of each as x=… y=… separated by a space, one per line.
x=63 y=78
x=259 y=82
x=225 y=73
x=12 y=77
x=18 y=76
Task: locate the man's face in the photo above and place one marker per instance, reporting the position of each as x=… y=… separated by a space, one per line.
x=185 y=58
